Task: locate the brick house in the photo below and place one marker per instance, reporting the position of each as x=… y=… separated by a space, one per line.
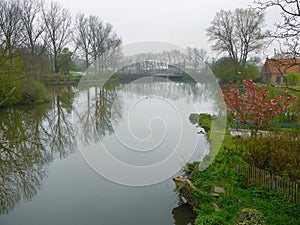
x=274 y=70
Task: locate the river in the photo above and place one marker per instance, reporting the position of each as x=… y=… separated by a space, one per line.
x=54 y=172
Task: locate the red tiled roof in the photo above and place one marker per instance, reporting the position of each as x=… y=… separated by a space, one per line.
x=283 y=66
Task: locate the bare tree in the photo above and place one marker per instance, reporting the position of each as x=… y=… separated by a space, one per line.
x=57 y=22
x=222 y=32
x=288 y=29
x=97 y=41
x=33 y=33
x=81 y=37
x=196 y=58
x=238 y=33
x=10 y=27
x=103 y=40
x=31 y=19
x=191 y=59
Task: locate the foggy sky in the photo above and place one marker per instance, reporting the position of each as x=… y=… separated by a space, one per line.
x=179 y=22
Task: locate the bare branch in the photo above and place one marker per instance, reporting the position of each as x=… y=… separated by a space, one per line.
x=238 y=33
x=57 y=22
x=96 y=40
x=288 y=29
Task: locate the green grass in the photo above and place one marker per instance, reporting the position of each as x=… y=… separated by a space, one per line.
x=204 y=121
x=274 y=208
x=59 y=79
x=239 y=204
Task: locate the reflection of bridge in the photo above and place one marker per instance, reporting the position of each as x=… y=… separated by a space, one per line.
x=153 y=68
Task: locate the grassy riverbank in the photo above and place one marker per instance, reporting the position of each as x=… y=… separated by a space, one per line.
x=240 y=202
x=60 y=79
x=26 y=90
x=15 y=90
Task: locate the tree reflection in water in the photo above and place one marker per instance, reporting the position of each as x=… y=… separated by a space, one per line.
x=94 y=115
x=96 y=118
x=58 y=134
x=30 y=138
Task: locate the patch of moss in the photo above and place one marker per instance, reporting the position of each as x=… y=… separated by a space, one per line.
x=204 y=121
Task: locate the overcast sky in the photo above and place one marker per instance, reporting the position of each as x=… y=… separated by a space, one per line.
x=180 y=22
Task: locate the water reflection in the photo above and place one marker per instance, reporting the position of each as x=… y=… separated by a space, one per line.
x=95 y=115
x=30 y=138
x=22 y=155
x=96 y=108
x=183 y=215
x=56 y=127
x=116 y=124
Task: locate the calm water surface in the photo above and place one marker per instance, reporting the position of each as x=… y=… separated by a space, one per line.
x=45 y=179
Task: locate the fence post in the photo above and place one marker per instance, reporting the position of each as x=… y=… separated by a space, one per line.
x=273 y=182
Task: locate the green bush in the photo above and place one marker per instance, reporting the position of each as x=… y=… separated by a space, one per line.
x=277 y=153
x=250 y=217
x=205 y=121
x=17 y=87
x=293 y=78
x=210 y=220
x=229 y=204
x=17 y=91
x=34 y=92
x=10 y=92
x=201 y=197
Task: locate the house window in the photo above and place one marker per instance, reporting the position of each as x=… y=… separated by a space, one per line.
x=269 y=76
x=278 y=79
